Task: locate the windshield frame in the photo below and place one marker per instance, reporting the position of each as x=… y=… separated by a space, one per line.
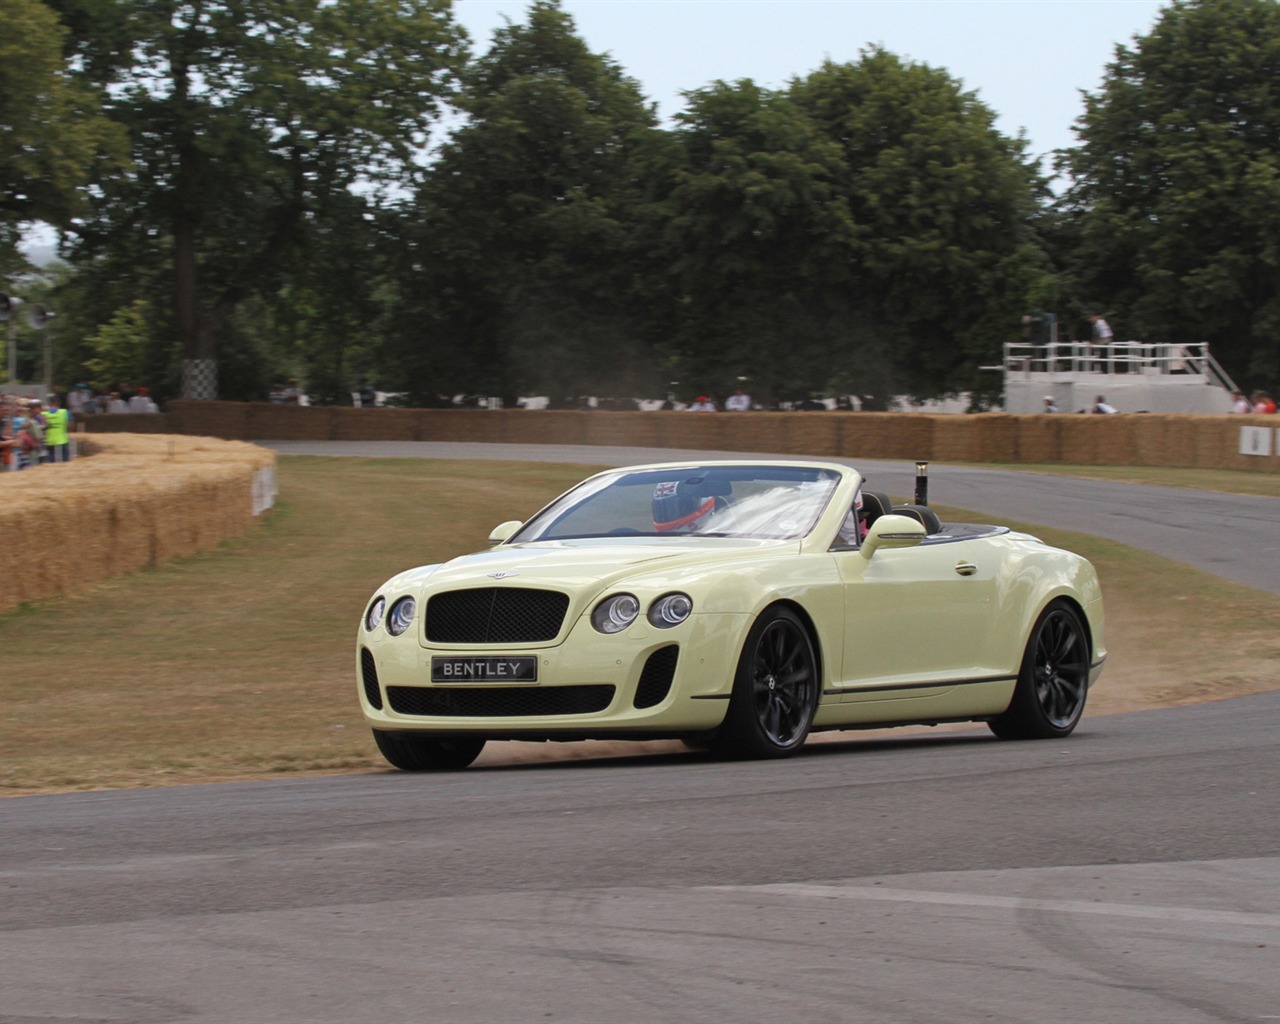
x=745 y=495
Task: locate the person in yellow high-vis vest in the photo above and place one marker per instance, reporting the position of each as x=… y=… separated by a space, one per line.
x=57 y=432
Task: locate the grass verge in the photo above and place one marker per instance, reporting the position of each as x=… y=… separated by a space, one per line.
x=239 y=663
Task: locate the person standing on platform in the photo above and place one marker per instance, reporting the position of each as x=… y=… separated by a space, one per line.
x=1102 y=336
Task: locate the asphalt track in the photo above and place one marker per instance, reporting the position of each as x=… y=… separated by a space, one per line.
x=1131 y=873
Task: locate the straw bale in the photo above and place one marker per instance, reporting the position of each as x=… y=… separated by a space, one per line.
x=1210 y=441
x=813 y=434
x=543 y=426
x=614 y=427
x=551 y=426
x=482 y=425
x=708 y=431
x=997 y=437
x=864 y=436
x=1218 y=444
x=1037 y=439
x=267 y=421
x=124 y=422
x=883 y=435
x=374 y=424
x=129 y=501
x=954 y=439
x=212 y=419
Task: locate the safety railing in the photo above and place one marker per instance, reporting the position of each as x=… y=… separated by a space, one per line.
x=1066 y=359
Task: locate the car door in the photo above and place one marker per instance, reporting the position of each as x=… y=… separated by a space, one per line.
x=916 y=616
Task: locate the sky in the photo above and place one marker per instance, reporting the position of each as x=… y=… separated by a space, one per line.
x=1028 y=60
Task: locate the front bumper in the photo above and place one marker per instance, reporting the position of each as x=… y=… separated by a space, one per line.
x=642 y=682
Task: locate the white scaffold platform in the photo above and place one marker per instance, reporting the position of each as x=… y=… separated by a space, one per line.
x=1132 y=376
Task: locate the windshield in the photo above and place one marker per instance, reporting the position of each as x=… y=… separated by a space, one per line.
x=777 y=502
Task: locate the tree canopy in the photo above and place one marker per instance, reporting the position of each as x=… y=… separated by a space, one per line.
x=341 y=190
x=265 y=134
x=523 y=250
x=1176 y=184
x=53 y=135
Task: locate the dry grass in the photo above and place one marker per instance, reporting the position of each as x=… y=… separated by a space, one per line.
x=239 y=664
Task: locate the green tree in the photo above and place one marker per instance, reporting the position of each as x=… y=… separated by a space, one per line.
x=1175 y=194
x=749 y=207
x=265 y=134
x=121 y=348
x=519 y=276
x=866 y=230
x=52 y=131
x=942 y=257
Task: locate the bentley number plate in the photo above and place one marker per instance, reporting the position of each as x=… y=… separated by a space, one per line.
x=519 y=668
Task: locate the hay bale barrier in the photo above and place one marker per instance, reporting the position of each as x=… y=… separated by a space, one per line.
x=1183 y=441
x=129 y=501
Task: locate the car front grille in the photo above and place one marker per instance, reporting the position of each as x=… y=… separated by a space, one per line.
x=655 y=679
x=369 y=678
x=495 y=615
x=500 y=701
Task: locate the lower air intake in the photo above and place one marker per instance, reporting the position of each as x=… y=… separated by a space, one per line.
x=655 y=679
x=500 y=701
x=369 y=679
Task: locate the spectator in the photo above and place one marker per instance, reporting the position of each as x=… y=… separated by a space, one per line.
x=1240 y=404
x=1102 y=335
x=1101 y=405
x=116 y=404
x=1049 y=404
x=57 y=426
x=141 y=401
x=1263 y=403
x=29 y=432
x=703 y=404
x=8 y=442
x=77 y=398
x=739 y=401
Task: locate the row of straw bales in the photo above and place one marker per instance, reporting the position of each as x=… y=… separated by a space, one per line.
x=1191 y=441
x=128 y=501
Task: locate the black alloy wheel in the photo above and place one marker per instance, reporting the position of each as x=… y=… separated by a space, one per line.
x=775 y=691
x=1054 y=681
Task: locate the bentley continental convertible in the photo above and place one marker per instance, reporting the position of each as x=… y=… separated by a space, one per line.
x=738 y=606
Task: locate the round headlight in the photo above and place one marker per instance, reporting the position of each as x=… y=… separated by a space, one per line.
x=373 y=617
x=670 y=610
x=616 y=613
x=401 y=615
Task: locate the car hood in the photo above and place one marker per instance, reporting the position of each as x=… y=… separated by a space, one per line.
x=581 y=563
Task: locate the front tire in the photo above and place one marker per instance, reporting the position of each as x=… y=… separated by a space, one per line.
x=775 y=690
x=1054 y=681
x=413 y=752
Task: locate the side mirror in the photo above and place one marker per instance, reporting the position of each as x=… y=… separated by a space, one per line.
x=505 y=531
x=892 y=531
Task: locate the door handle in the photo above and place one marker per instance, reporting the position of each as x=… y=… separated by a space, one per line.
x=966 y=568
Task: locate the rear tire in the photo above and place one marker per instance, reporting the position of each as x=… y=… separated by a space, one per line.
x=1054 y=681
x=775 y=690
x=413 y=752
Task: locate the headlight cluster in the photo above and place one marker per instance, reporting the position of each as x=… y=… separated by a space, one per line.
x=373 y=617
x=617 y=611
x=400 y=619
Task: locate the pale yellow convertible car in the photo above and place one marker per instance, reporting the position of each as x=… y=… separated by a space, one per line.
x=738 y=606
